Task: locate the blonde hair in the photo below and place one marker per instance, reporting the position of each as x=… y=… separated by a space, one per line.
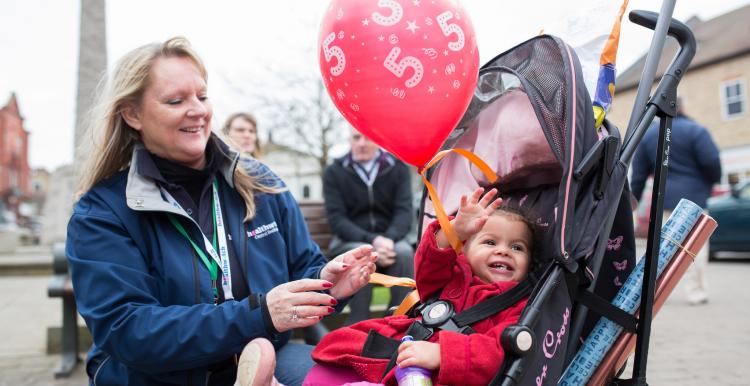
x=258 y=152
x=113 y=139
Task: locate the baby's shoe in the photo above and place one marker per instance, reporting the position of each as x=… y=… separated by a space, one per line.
x=257 y=364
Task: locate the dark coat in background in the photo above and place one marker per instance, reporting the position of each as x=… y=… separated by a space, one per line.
x=360 y=213
x=694 y=163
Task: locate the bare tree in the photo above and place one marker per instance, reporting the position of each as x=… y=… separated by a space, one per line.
x=297 y=112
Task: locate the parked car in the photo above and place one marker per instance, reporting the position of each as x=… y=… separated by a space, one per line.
x=732 y=213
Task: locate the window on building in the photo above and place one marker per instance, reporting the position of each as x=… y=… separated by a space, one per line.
x=733 y=98
x=306 y=191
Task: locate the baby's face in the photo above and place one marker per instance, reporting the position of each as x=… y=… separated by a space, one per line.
x=501 y=250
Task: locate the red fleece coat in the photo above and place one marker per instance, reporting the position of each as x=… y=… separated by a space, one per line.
x=464 y=359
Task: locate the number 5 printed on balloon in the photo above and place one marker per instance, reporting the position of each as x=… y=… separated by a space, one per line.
x=448 y=29
x=399 y=68
x=334 y=51
x=397 y=12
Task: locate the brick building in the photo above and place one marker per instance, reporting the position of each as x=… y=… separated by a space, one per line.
x=15 y=174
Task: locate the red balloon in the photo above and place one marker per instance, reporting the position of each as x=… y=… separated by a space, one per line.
x=401 y=72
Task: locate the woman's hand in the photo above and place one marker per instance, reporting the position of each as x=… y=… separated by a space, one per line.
x=350 y=271
x=296 y=304
x=419 y=353
x=473 y=212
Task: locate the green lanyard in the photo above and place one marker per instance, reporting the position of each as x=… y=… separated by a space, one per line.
x=213 y=268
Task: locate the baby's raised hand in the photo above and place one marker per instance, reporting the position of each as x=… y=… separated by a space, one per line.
x=473 y=212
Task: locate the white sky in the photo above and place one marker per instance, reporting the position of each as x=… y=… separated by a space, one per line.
x=239 y=40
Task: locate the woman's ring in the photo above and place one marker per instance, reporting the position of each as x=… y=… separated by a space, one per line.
x=294 y=314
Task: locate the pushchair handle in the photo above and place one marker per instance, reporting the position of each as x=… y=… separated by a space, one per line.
x=664 y=97
x=677 y=30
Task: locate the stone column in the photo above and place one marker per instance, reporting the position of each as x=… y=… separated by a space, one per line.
x=92 y=64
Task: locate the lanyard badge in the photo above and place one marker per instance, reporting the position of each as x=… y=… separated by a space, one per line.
x=218 y=259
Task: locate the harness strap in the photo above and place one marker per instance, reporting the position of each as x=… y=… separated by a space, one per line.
x=604 y=308
x=493 y=305
x=379 y=346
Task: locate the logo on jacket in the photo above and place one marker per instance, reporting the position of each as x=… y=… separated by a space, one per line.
x=263 y=231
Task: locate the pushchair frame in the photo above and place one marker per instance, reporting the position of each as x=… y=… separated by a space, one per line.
x=661 y=104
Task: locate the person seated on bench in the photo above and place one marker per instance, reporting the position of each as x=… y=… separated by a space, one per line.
x=179 y=257
x=368 y=200
x=499 y=250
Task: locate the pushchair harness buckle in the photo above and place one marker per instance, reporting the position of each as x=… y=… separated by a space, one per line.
x=439 y=315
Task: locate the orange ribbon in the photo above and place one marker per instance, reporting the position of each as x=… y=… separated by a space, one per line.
x=442 y=217
x=390 y=281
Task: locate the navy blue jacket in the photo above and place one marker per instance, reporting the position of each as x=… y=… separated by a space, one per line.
x=147 y=298
x=694 y=163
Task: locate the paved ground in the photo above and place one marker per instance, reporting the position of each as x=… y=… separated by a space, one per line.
x=707 y=344
x=691 y=345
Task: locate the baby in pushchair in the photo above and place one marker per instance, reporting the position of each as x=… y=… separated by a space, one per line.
x=497 y=256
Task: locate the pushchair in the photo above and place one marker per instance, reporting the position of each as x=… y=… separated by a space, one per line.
x=531 y=120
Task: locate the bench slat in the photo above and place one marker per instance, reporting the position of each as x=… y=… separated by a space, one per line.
x=312 y=208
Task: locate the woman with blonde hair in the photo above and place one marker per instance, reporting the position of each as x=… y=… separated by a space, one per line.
x=242 y=131
x=179 y=257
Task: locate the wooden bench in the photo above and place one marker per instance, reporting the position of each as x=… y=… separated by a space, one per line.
x=314 y=212
x=60 y=286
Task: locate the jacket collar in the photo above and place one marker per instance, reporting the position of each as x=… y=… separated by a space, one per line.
x=383 y=158
x=142 y=193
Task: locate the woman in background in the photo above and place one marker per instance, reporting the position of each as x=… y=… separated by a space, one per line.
x=242 y=131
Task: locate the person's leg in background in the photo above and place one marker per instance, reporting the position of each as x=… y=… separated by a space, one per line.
x=359 y=306
x=403 y=267
x=696 y=285
x=293 y=362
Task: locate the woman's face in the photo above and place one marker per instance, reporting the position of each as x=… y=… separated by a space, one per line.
x=174 y=114
x=243 y=134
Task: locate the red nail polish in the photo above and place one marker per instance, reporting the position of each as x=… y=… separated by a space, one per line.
x=334 y=302
x=320 y=318
x=327 y=285
x=330 y=310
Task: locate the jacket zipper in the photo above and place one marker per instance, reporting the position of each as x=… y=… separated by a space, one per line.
x=101 y=365
x=196 y=280
x=370 y=193
x=371 y=197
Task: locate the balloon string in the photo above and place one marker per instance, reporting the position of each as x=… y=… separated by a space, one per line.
x=442 y=217
x=390 y=281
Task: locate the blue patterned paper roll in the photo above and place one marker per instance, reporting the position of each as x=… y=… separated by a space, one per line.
x=604 y=334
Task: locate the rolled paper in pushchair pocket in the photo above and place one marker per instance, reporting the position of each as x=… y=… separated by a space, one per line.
x=668 y=280
x=605 y=332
